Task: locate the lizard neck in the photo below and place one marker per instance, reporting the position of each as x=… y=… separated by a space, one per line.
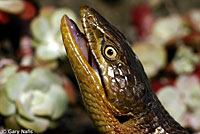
x=154 y=119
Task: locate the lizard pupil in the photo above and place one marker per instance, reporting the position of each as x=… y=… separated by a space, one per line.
x=110 y=52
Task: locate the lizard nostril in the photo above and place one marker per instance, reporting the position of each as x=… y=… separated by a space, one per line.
x=123 y=119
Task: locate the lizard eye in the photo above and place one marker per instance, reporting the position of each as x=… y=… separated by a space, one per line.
x=110 y=52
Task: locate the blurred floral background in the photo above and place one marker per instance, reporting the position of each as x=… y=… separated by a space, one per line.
x=38 y=90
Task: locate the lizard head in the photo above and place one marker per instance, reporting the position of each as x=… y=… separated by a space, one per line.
x=120 y=70
x=111 y=78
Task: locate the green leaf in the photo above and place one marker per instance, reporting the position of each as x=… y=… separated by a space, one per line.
x=16 y=85
x=167 y=28
x=6 y=73
x=50 y=51
x=185 y=60
x=12 y=7
x=40 y=28
x=59 y=97
x=189 y=86
x=24 y=110
x=57 y=15
x=6 y=106
x=186 y=82
x=41 y=104
x=38 y=125
x=171 y=100
x=152 y=60
x=197 y=115
x=42 y=79
x=192 y=98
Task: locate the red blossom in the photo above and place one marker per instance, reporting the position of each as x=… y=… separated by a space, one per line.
x=29 y=11
x=25 y=68
x=197 y=72
x=143 y=19
x=163 y=82
x=156 y=86
x=192 y=38
x=4 y=19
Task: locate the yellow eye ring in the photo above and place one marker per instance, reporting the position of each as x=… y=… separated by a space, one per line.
x=110 y=52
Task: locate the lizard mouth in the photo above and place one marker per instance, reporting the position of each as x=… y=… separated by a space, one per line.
x=81 y=48
x=82 y=44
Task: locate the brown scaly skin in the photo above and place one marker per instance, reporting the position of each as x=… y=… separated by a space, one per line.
x=121 y=101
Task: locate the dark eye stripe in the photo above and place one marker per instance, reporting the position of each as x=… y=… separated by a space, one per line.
x=102 y=42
